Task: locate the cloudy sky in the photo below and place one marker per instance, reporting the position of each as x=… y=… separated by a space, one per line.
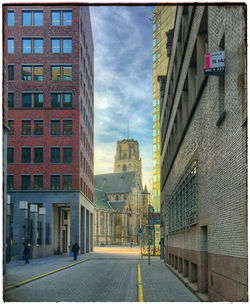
x=123 y=82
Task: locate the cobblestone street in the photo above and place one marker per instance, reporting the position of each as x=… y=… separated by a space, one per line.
x=104 y=277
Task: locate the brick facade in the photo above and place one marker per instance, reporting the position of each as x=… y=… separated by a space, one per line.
x=197 y=130
x=80 y=87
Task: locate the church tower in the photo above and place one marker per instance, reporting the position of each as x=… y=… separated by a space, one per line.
x=128 y=158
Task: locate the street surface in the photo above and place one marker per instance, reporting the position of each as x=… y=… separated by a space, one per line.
x=110 y=275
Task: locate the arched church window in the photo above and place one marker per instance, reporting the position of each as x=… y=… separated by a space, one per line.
x=117 y=198
x=124 y=155
x=125 y=197
x=124 y=168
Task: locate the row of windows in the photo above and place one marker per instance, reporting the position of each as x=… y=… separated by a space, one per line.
x=35 y=100
x=55 y=155
x=38 y=182
x=35 y=45
x=35 y=72
x=35 y=18
x=38 y=127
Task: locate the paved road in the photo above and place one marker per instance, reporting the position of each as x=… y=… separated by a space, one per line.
x=105 y=277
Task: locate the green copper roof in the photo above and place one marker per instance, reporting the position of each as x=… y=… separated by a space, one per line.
x=112 y=183
x=117 y=205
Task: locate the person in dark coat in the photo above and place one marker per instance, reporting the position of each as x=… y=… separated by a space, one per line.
x=26 y=253
x=75 y=249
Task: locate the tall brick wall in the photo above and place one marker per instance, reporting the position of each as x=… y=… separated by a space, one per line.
x=222 y=160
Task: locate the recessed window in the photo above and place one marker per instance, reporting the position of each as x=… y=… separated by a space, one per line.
x=38 y=182
x=26 y=127
x=55 y=182
x=67 y=155
x=11 y=127
x=30 y=100
x=61 y=73
x=67 y=182
x=26 y=155
x=38 y=155
x=55 y=155
x=61 y=18
x=32 y=45
x=10 y=182
x=67 y=127
x=10 y=72
x=30 y=18
x=61 y=45
x=61 y=100
x=38 y=127
x=32 y=73
x=10 y=155
x=10 y=100
x=55 y=127
x=26 y=182
x=10 y=45
x=11 y=19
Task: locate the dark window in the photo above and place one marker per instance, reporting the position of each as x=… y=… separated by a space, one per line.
x=38 y=127
x=67 y=100
x=55 y=18
x=11 y=126
x=67 y=182
x=27 y=100
x=27 y=19
x=26 y=127
x=11 y=100
x=10 y=45
x=26 y=73
x=10 y=72
x=67 y=155
x=67 y=127
x=38 y=155
x=10 y=182
x=55 y=182
x=55 y=127
x=38 y=182
x=26 y=182
x=67 y=18
x=38 y=100
x=55 y=100
x=11 y=18
x=38 y=18
x=10 y=155
x=55 y=155
x=47 y=233
x=26 y=155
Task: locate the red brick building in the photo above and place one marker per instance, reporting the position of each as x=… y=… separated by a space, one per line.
x=48 y=75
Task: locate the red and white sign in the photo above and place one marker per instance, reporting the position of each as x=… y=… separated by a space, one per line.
x=214 y=63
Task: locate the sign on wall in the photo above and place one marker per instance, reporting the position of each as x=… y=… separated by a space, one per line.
x=214 y=63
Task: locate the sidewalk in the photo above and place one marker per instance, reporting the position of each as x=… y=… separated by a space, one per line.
x=17 y=270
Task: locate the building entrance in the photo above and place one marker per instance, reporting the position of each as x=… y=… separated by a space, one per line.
x=65 y=230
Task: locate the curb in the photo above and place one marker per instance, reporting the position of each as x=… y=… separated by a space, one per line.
x=185 y=283
x=43 y=275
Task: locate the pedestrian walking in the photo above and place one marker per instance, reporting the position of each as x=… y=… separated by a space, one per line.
x=131 y=244
x=26 y=253
x=75 y=249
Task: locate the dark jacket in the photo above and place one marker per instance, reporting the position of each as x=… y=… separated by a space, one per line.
x=26 y=250
x=75 y=248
